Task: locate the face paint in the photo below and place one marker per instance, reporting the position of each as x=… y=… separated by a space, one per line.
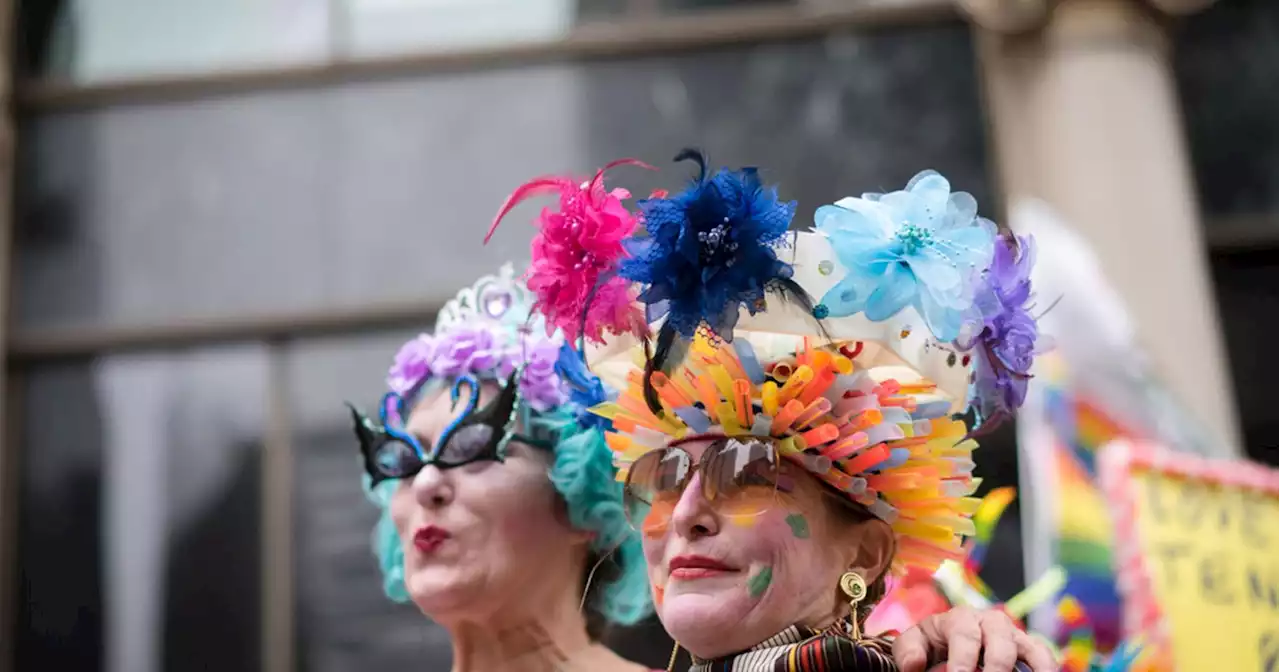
x=757 y=584
x=744 y=509
x=655 y=522
x=799 y=525
x=658 y=594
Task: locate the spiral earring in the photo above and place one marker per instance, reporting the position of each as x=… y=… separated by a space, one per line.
x=855 y=587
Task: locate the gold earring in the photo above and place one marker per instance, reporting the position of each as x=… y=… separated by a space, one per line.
x=855 y=587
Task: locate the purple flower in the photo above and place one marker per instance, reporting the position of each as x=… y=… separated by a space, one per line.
x=490 y=352
x=412 y=364
x=466 y=350
x=1006 y=345
x=540 y=383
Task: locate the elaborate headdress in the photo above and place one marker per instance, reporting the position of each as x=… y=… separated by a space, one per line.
x=923 y=313
x=491 y=332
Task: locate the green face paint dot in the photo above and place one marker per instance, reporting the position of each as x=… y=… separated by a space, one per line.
x=799 y=526
x=757 y=584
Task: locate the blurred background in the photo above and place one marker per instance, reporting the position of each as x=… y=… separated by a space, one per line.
x=222 y=217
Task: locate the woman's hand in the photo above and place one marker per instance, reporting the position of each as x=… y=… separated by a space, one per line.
x=959 y=636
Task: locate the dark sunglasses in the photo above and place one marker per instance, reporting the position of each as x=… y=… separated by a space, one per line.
x=739 y=473
x=474 y=436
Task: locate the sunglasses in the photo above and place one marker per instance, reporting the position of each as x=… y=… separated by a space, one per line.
x=741 y=477
x=474 y=436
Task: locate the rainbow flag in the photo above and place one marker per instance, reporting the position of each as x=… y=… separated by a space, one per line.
x=1084 y=537
x=1081 y=651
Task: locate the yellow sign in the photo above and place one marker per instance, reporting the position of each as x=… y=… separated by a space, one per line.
x=1199 y=557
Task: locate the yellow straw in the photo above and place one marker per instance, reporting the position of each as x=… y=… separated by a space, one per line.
x=723 y=381
x=769 y=398
x=795 y=384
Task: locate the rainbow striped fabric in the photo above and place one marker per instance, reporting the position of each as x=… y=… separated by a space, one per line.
x=1083 y=535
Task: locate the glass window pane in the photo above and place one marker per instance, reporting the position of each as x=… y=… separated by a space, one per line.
x=379 y=27
x=1226 y=69
x=139 y=519
x=93 y=41
x=367 y=193
x=372 y=28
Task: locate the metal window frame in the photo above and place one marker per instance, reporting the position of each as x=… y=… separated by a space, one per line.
x=638 y=33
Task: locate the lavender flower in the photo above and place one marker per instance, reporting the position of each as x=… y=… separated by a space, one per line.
x=466 y=350
x=1006 y=345
x=412 y=364
x=540 y=385
x=489 y=352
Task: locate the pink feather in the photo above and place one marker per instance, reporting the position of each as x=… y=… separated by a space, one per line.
x=578 y=247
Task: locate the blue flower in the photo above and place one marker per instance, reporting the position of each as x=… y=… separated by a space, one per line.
x=710 y=250
x=923 y=247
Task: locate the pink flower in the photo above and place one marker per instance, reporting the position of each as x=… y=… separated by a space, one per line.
x=575 y=254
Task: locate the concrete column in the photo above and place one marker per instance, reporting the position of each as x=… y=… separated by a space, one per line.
x=1084 y=116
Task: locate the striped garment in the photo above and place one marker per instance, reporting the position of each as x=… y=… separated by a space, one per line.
x=800 y=649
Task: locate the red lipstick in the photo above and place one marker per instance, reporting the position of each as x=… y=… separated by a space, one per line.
x=696 y=567
x=428 y=539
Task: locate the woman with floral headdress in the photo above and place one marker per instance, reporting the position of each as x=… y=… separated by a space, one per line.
x=497 y=493
x=777 y=479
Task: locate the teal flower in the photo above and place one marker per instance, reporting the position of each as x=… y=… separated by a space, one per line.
x=924 y=247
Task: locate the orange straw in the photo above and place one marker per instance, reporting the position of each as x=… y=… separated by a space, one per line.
x=820 y=435
x=742 y=398
x=786 y=417
x=847 y=446
x=812 y=412
x=892 y=482
x=823 y=380
x=727 y=358
x=668 y=392
x=866 y=419
x=867 y=458
x=707 y=393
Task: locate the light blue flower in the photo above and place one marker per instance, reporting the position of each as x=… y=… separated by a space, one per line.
x=924 y=246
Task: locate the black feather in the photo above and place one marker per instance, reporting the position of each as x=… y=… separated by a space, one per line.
x=659 y=361
x=695 y=155
x=790 y=291
x=988 y=425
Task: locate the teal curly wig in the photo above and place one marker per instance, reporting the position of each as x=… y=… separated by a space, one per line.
x=582 y=472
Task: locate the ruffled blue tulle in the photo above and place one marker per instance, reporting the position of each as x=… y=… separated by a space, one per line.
x=710 y=250
x=586 y=390
x=923 y=247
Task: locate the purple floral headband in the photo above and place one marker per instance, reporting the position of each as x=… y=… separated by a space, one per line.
x=485 y=331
